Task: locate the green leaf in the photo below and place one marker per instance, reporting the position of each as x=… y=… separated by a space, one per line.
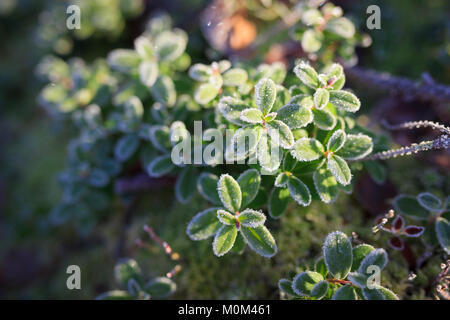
x=295 y=116
x=281 y=180
x=125 y=147
x=326 y=185
x=388 y=294
x=239 y=244
x=346 y=292
x=148 y=72
x=115 y=295
x=278 y=202
x=160 y=166
x=160 y=288
x=344 y=100
x=125 y=270
x=265 y=94
x=207 y=187
x=280 y=133
x=320 y=290
x=376 y=170
x=163 y=91
x=225 y=217
x=124 y=60
x=224 y=240
x=356 y=147
x=372 y=294
x=205 y=93
x=335 y=71
x=359 y=253
x=430 y=202
x=249 y=182
x=169 y=45
x=204 y=224
x=98 y=178
x=185 y=185
x=304 y=282
x=320 y=267
x=337 y=252
x=336 y=141
x=376 y=257
x=260 y=240
x=299 y=191
x=321 y=98
x=324 y=119
x=311 y=41
x=200 y=72
x=358 y=279
x=307 y=74
x=285 y=286
x=410 y=207
x=244 y=142
x=340 y=170
x=252 y=115
x=231 y=109
x=307 y=149
x=251 y=218
x=230 y=193
x=235 y=77
x=342 y=26
x=269 y=154
x=442 y=228
x=160 y=138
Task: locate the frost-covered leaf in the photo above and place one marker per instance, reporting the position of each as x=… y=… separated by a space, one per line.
x=244 y=142
x=312 y=41
x=115 y=295
x=148 y=72
x=336 y=140
x=295 y=115
x=125 y=270
x=359 y=253
x=338 y=255
x=324 y=119
x=260 y=240
x=304 y=282
x=307 y=149
x=319 y=290
x=249 y=182
x=442 y=228
x=342 y=26
x=124 y=60
x=252 y=115
x=299 y=191
x=126 y=146
x=335 y=71
x=340 y=170
x=185 y=185
x=200 y=72
x=163 y=91
x=160 y=288
x=144 y=47
x=205 y=93
x=430 y=202
x=265 y=94
x=346 y=292
x=307 y=74
x=376 y=257
x=344 y=100
x=160 y=137
x=160 y=166
x=224 y=240
x=356 y=147
x=225 y=217
x=207 y=187
x=280 y=133
x=251 y=218
x=285 y=285
x=321 y=98
x=229 y=192
x=235 y=77
x=410 y=207
x=231 y=109
x=269 y=154
x=278 y=202
x=326 y=185
x=281 y=180
x=98 y=178
x=204 y=224
x=169 y=45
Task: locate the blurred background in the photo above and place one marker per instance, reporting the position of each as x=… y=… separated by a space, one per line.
x=414 y=42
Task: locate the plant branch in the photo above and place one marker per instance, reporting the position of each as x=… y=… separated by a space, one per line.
x=141 y=182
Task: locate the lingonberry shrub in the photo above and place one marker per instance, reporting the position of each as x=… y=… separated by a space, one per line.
x=343 y=272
